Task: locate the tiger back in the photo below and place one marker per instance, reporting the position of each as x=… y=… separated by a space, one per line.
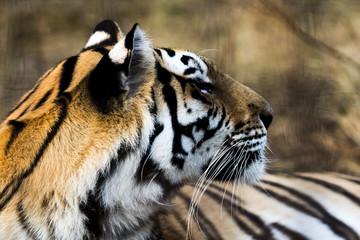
x=295 y=206
x=106 y=138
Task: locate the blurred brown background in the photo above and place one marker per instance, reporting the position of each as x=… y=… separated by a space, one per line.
x=303 y=56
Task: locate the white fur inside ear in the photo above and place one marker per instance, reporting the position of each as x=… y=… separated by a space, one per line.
x=143 y=46
x=97 y=38
x=119 y=52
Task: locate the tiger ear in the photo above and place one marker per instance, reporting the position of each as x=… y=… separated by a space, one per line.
x=106 y=33
x=122 y=72
x=134 y=56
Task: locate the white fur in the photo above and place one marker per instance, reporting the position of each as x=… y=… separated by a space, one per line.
x=174 y=65
x=119 y=52
x=142 y=49
x=96 y=38
x=310 y=227
x=198 y=111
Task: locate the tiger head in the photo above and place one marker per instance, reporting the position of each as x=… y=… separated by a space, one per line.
x=122 y=125
x=207 y=124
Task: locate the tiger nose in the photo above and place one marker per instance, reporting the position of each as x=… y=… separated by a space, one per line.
x=266 y=117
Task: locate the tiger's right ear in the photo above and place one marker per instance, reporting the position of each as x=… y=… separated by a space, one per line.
x=106 y=33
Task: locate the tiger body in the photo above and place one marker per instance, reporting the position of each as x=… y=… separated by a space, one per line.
x=106 y=138
x=282 y=206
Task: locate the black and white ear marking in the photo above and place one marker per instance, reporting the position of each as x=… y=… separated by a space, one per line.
x=106 y=33
x=135 y=46
x=122 y=71
x=122 y=50
x=135 y=55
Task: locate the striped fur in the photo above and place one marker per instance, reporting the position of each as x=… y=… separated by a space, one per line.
x=104 y=140
x=283 y=206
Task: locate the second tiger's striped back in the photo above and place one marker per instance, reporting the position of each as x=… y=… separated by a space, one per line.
x=281 y=206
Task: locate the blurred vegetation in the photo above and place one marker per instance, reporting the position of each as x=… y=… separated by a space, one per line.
x=303 y=56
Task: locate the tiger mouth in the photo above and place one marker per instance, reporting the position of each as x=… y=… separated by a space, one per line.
x=237 y=157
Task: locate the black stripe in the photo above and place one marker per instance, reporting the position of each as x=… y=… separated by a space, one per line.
x=101 y=50
x=313 y=208
x=46 y=74
x=214 y=112
x=182 y=82
x=155 y=234
x=239 y=125
x=68 y=68
x=43 y=99
x=190 y=71
x=332 y=187
x=185 y=59
x=11 y=188
x=100 y=46
x=163 y=75
x=24 y=222
x=172 y=232
x=32 y=91
x=211 y=132
x=252 y=137
x=293 y=235
x=200 y=84
x=179 y=219
x=158 y=52
x=129 y=39
x=158 y=128
x=351 y=180
x=227 y=205
x=148 y=167
x=149 y=170
x=206 y=224
x=24 y=100
x=170 y=52
x=256 y=220
x=106 y=87
x=153 y=107
x=170 y=98
x=17 y=128
x=196 y=94
x=24 y=111
x=92 y=207
x=108 y=26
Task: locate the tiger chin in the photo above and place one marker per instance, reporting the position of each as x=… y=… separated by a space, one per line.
x=106 y=137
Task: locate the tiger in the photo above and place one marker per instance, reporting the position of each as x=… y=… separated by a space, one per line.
x=105 y=138
x=296 y=206
x=129 y=141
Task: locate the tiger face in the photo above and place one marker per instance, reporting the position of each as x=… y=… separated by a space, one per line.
x=106 y=137
x=213 y=125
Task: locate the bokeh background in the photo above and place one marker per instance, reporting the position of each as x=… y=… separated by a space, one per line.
x=303 y=56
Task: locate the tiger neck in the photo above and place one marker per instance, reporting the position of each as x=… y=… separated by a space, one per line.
x=129 y=193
